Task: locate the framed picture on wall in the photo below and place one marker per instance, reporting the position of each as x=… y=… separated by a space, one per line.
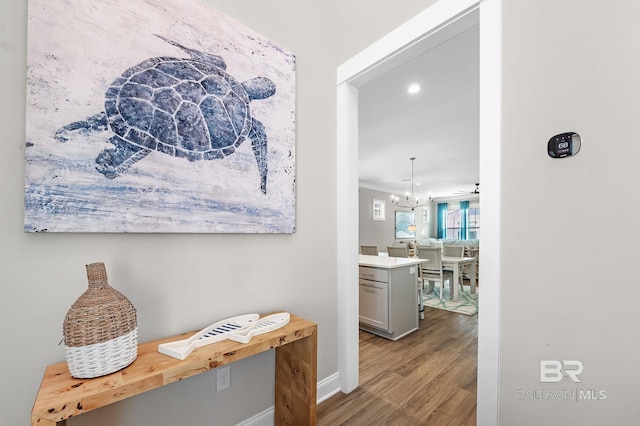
x=403 y=221
x=159 y=118
x=379 y=210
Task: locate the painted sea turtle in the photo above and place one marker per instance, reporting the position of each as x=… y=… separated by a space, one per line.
x=184 y=107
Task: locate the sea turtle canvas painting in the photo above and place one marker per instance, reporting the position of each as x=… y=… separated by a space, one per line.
x=183 y=107
x=121 y=121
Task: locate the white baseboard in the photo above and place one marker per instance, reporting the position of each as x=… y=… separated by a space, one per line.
x=325 y=389
x=328 y=387
x=265 y=418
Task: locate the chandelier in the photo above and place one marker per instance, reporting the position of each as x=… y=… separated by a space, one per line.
x=410 y=202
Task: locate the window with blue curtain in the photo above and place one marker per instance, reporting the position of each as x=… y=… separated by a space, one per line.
x=442 y=220
x=464 y=220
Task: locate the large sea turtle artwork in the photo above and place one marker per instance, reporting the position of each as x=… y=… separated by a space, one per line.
x=183 y=107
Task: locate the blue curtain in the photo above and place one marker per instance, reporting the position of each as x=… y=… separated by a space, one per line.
x=464 y=220
x=442 y=220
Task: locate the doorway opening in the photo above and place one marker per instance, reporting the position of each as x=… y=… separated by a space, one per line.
x=438 y=22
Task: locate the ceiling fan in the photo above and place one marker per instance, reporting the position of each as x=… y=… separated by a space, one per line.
x=476 y=191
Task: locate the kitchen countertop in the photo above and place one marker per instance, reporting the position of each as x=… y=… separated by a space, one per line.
x=388 y=262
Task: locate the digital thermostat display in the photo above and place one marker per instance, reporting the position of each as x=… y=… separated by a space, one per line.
x=564 y=145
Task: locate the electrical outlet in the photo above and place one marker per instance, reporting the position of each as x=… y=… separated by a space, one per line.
x=223 y=377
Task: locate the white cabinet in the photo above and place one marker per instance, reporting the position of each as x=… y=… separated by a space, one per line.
x=374 y=303
x=388 y=296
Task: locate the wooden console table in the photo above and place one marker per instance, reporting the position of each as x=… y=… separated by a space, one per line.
x=61 y=396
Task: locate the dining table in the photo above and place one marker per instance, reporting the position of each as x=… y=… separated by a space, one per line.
x=455 y=263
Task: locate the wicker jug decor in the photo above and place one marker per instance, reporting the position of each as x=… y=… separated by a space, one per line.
x=100 y=329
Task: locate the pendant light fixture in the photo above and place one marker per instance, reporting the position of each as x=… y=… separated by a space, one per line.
x=410 y=202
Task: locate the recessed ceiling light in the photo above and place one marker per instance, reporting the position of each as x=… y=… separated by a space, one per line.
x=414 y=88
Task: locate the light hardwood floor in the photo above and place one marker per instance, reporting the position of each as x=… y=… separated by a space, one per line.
x=425 y=378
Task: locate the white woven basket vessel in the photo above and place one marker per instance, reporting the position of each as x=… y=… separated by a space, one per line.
x=102 y=358
x=100 y=329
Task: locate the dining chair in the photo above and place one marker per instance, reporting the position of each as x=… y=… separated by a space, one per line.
x=398 y=250
x=453 y=251
x=411 y=247
x=471 y=252
x=369 y=249
x=433 y=270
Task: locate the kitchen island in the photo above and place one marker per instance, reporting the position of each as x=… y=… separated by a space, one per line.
x=388 y=290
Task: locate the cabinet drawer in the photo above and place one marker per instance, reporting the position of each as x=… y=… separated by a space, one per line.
x=374 y=274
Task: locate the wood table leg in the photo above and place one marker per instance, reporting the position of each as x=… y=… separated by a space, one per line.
x=456 y=282
x=296 y=381
x=473 y=278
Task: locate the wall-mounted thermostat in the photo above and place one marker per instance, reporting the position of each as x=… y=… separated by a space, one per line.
x=564 y=145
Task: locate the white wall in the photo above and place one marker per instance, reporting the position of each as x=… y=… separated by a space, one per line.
x=569 y=287
x=183 y=282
